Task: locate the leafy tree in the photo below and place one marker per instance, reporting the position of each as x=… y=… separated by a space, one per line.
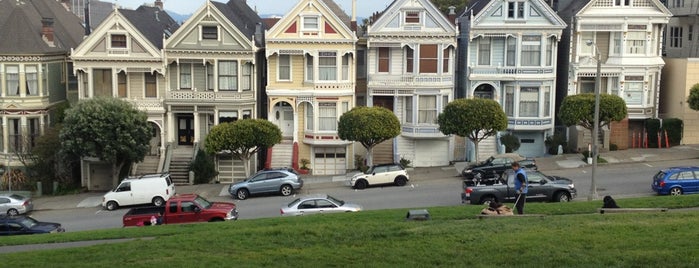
x=475 y=119
x=242 y=139
x=204 y=167
x=693 y=98
x=580 y=110
x=511 y=142
x=444 y=5
x=368 y=126
x=109 y=129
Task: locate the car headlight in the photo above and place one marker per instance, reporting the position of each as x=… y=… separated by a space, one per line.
x=468 y=171
x=571 y=186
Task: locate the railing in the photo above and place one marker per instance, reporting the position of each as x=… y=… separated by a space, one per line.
x=161 y=161
x=168 y=157
x=194 y=157
x=209 y=95
x=330 y=85
x=391 y=80
x=417 y=131
x=147 y=104
x=512 y=70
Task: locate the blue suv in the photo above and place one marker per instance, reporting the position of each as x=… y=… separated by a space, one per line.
x=676 y=181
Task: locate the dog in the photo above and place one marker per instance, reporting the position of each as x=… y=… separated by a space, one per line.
x=609 y=202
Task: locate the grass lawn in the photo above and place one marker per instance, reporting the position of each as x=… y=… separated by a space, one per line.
x=570 y=235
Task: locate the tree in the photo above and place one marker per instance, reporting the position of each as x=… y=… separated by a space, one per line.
x=444 y=5
x=368 y=126
x=242 y=139
x=693 y=98
x=580 y=110
x=475 y=119
x=111 y=130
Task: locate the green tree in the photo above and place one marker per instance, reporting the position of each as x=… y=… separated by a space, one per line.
x=204 y=167
x=475 y=119
x=242 y=139
x=368 y=126
x=444 y=5
x=693 y=98
x=111 y=130
x=579 y=110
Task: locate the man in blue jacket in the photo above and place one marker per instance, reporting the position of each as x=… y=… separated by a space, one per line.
x=521 y=187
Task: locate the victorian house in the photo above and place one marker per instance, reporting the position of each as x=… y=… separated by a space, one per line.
x=508 y=54
x=410 y=65
x=311 y=83
x=214 y=76
x=626 y=37
x=122 y=58
x=36 y=37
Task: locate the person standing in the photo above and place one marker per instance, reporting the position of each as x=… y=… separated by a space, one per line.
x=521 y=187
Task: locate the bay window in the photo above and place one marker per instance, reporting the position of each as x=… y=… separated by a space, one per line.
x=228 y=75
x=511 y=51
x=309 y=116
x=428 y=59
x=151 y=84
x=510 y=100
x=531 y=51
x=636 y=42
x=327 y=116
x=121 y=85
x=484 y=51
x=408 y=109
x=309 y=68
x=427 y=113
x=32 y=77
x=246 y=77
x=529 y=102
x=12 y=80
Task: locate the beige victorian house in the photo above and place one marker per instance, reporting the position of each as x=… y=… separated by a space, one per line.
x=311 y=83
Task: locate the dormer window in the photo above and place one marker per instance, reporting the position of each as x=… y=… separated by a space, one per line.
x=209 y=33
x=118 y=40
x=310 y=23
x=412 y=17
x=515 y=9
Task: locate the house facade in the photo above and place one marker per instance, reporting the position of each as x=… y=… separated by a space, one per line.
x=311 y=82
x=410 y=65
x=627 y=37
x=510 y=49
x=35 y=75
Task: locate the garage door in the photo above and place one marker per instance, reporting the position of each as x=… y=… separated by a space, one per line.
x=431 y=153
x=531 y=144
x=329 y=161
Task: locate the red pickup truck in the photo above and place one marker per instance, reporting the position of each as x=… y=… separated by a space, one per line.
x=183 y=208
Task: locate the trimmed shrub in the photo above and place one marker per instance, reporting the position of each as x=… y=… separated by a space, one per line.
x=652 y=128
x=204 y=168
x=511 y=142
x=552 y=143
x=674 y=127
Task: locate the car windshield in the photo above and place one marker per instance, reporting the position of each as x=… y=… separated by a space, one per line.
x=202 y=202
x=16 y=196
x=28 y=222
x=659 y=176
x=293 y=203
x=336 y=201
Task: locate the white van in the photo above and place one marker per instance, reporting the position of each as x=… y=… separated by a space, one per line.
x=150 y=188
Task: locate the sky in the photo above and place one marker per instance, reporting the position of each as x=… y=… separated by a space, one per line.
x=364 y=7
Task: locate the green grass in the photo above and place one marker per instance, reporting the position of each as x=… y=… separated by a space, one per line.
x=571 y=235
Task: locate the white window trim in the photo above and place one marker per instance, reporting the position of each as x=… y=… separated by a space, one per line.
x=201 y=32
x=279 y=65
x=303 y=23
x=128 y=43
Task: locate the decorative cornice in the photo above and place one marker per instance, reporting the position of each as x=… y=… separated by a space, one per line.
x=32 y=58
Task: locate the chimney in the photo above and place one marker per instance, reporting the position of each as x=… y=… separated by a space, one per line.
x=88 y=28
x=47 y=31
x=353 y=23
x=452 y=14
x=159 y=4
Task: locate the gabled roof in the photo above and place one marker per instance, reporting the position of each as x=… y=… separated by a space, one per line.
x=433 y=15
x=152 y=22
x=21 y=27
x=337 y=10
x=242 y=16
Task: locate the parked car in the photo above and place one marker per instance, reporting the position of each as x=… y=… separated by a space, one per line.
x=541 y=187
x=14 y=204
x=676 y=181
x=318 y=204
x=493 y=167
x=22 y=224
x=284 y=181
x=182 y=208
x=380 y=174
x=150 y=188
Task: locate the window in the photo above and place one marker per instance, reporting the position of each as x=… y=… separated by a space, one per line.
x=547 y=101
x=676 y=37
x=228 y=75
x=327 y=66
x=34 y=132
x=484 y=51
x=587 y=85
x=345 y=107
x=511 y=51
x=510 y=100
x=227 y=116
x=345 y=67
x=409 y=60
x=32 y=77
x=412 y=17
x=15 y=135
x=210 y=77
x=309 y=116
x=549 y=51
x=529 y=102
x=636 y=42
x=427 y=113
x=616 y=43
x=361 y=63
x=186 y=76
x=121 y=85
x=633 y=92
x=384 y=59
x=151 y=85
x=209 y=33
x=515 y=10
x=247 y=114
x=327 y=116
x=284 y=67
x=310 y=23
x=12 y=80
x=246 y=77
x=531 y=51
x=309 y=68
x=118 y=40
x=408 y=109
x=428 y=59
x=446 y=59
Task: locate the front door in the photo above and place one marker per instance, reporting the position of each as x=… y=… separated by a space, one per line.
x=185 y=130
x=284 y=117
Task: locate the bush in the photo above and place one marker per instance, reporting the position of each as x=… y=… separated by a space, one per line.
x=405 y=162
x=552 y=143
x=674 y=128
x=511 y=142
x=652 y=128
x=359 y=163
x=613 y=147
x=204 y=168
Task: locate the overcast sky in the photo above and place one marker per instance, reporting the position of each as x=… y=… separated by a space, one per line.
x=280 y=7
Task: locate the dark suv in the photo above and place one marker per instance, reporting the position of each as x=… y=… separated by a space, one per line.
x=492 y=168
x=283 y=180
x=18 y=225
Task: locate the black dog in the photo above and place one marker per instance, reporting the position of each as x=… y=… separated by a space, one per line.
x=609 y=202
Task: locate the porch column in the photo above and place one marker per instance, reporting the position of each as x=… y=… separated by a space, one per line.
x=197 y=127
x=5 y=135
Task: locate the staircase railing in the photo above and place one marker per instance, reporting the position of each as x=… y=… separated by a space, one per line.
x=167 y=158
x=194 y=157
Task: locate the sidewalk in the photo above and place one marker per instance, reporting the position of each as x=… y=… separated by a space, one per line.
x=219 y=191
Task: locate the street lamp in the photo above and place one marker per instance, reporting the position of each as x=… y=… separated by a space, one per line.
x=595 y=134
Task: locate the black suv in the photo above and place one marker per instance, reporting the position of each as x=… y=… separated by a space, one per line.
x=18 y=225
x=492 y=168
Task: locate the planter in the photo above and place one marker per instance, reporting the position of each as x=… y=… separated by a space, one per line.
x=304 y=171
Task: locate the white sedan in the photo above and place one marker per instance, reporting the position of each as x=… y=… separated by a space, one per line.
x=317 y=204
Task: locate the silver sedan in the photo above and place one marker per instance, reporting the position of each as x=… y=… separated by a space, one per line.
x=14 y=204
x=318 y=204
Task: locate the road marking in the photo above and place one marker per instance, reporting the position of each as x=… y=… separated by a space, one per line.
x=649 y=165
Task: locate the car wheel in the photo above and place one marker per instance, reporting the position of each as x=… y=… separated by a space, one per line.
x=158 y=201
x=286 y=190
x=242 y=194
x=12 y=212
x=562 y=197
x=400 y=181
x=486 y=200
x=360 y=184
x=111 y=205
x=676 y=191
